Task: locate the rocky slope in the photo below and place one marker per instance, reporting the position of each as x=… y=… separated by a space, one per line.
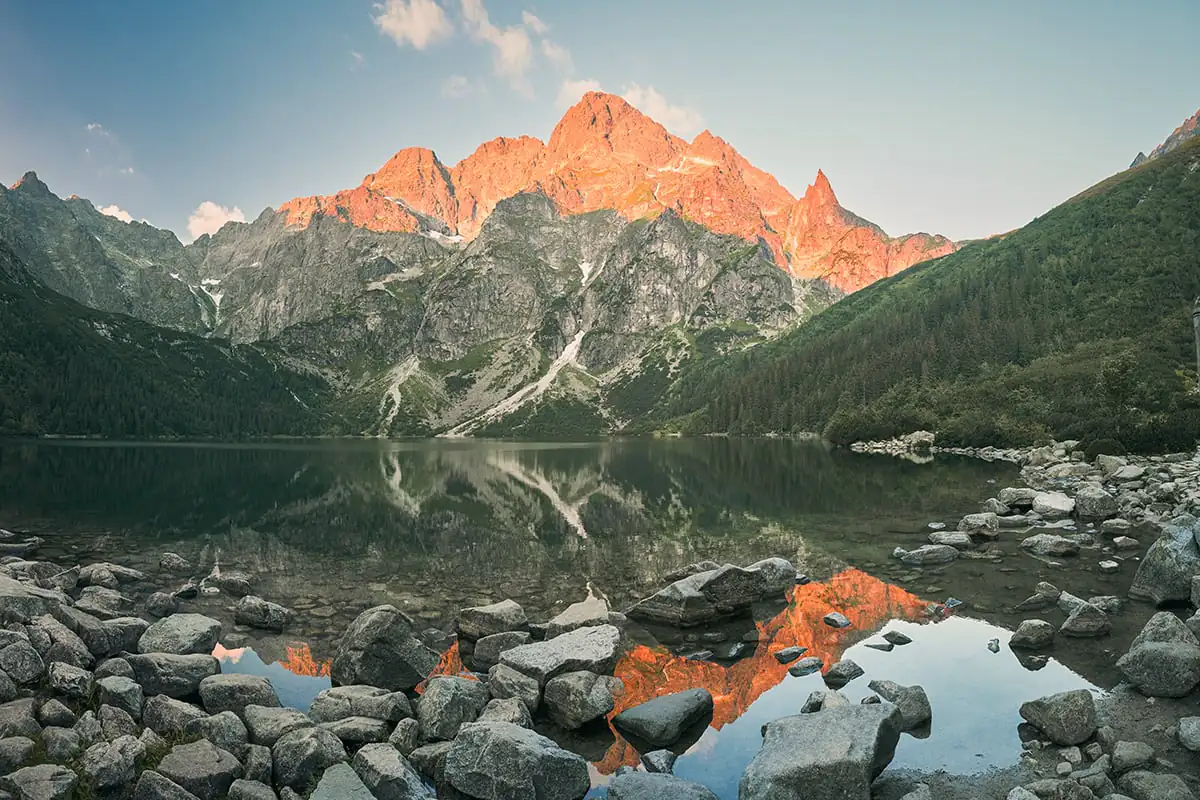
x=606 y=155
x=1189 y=128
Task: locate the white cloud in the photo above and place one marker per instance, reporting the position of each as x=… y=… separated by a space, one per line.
x=99 y=130
x=456 y=86
x=513 y=50
x=126 y=170
x=570 y=91
x=358 y=59
x=534 y=24
x=209 y=217
x=116 y=213
x=558 y=55
x=416 y=22
x=680 y=120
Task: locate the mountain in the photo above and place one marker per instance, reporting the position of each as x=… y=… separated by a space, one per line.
x=68 y=369
x=1077 y=326
x=604 y=154
x=1189 y=128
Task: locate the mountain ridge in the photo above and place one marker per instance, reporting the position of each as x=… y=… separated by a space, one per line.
x=605 y=154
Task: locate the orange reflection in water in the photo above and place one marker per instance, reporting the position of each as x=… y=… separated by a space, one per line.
x=868 y=602
x=300 y=661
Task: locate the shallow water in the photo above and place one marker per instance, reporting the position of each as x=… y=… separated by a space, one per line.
x=330 y=528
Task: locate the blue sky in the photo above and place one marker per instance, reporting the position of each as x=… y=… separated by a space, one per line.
x=964 y=118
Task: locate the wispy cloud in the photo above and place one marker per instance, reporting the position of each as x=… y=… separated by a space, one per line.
x=513 y=49
x=419 y=23
x=534 y=24
x=116 y=212
x=456 y=86
x=680 y=120
x=209 y=217
x=357 y=59
x=571 y=90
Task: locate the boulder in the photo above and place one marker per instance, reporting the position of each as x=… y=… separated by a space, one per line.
x=18 y=718
x=956 y=539
x=15 y=752
x=1086 y=621
x=407 y=734
x=430 y=760
x=173 y=562
x=448 y=703
x=1164 y=627
x=201 y=768
x=1067 y=718
x=356 y=731
x=111 y=766
x=1127 y=473
x=234 y=692
x=842 y=672
x=172 y=675
x=805 y=666
x=258 y=764
x=153 y=786
x=1144 y=785
x=1053 y=505
x=381 y=649
x=161 y=604
x=1131 y=755
x=181 y=634
x=109 y=575
x=243 y=789
x=488 y=649
x=910 y=701
x=509 y=709
x=302 y=754
x=501 y=761
x=1166 y=571
x=1049 y=544
x=662 y=721
x=52 y=713
x=703 y=597
x=225 y=730
x=789 y=654
x=104 y=603
x=778 y=574
x=18 y=659
x=169 y=717
x=662 y=761
x=259 y=613
x=268 y=724
x=651 y=786
x=1162 y=669
x=987 y=523
x=24 y=601
x=123 y=693
x=69 y=680
x=387 y=774
x=1094 y=503
x=586 y=613
x=117 y=722
x=574 y=699
x=481 y=621
x=1017 y=497
x=593 y=649
x=61 y=643
x=62 y=746
x=340 y=782
x=833 y=753
x=929 y=555
x=1032 y=634
x=504 y=681
x=113 y=668
x=41 y=782
x=340 y=702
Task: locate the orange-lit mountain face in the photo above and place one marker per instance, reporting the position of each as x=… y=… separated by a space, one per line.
x=605 y=154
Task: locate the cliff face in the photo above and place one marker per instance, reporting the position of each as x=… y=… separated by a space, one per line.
x=606 y=155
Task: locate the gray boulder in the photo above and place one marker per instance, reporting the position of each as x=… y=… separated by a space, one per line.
x=586 y=613
x=1032 y=634
x=340 y=782
x=706 y=596
x=662 y=721
x=842 y=672
x=18 y=718
x=1131 y=755
x=381 y=649
x=172 y=675
x=123 y=693
x=430 y=761
x=111 y=766
x=300 y=755
x=62 y=745
x=41 y=782
x=387 y=774
x=910 y=701
x=407 y=735
x=1085 y=621
x=225 y=730
x=594 y=649
x=268 y=724
x=481 y=621
x=167 y=716
x=1162 y=669
x=509 y=709
x=104 y=603
x=1165 y=627
x=15 y=752
x=1067 y=718
x=929 y=555
x=501 y=761
x=834 y=753
x=358 y=730
x=153 y=786
x=109 y=575
x=161 y=604
x=1144 y=785
x=181 y=634
x=448 y=703
x=24 y=601
x=201 y=768
x=117 y=722
x=19 y=660
x=340 y=702
x=1017 y=497
x=1094 y=503
x=257 y=762
x=956 y=539
x=243 y=789
x=1189 y=733
x=1049 y=544
x=1166 y=571
x=52 y=713
x=574 y=699
x=1053 y=505
x=504 y=681
x=651 y=786
x=234 y=692
x=69 y=680
x=662 y=761
x=986 y=523
x=259 y=613
x=113 y=668
x=488 y=649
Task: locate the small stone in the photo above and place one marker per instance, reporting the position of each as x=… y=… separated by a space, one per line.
x=407 y=734
x=259 y=613
x=123 y=693
x=841 y=673
x=835 y=619
x=70 y=680
x=1032 y=634
x=805 y=666
x=789 y=654
x=55 y=714
x=897 y=638
x=173 y=562
x=660 y=761
x=161 y=604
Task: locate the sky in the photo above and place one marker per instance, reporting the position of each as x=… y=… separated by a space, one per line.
x=960 y=118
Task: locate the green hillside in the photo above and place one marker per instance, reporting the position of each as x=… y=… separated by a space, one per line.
x=66 y=369
x=1076 y=326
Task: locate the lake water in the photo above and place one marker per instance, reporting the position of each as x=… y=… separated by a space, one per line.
x=331 y=528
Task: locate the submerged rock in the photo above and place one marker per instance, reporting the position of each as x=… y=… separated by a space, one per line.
x=834 y=753
x=929 y=554
x=259 y=613
x=1032 y=634
x=706 y=596
x=910 y=701
x=1049 y=544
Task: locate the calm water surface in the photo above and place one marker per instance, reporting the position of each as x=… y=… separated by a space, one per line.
x=331 y=528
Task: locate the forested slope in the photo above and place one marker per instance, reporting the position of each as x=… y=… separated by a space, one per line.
x=1076 y=326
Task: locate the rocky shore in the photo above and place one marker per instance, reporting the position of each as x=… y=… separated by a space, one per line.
x=102 y=695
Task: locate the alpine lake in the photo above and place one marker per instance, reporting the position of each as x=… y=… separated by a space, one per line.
x=329 y=528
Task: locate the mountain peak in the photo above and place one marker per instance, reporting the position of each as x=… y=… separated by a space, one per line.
x=820 y=193
x=31 y=182
x=605 y=122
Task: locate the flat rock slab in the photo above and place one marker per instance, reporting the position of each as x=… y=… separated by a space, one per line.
x=835 y=752
x=651 y=786
x=340 y=782
x=502 y=761
x=663 y=721
x=481 y=621
x=594 y=649
x=235 y=692
x=172 y=675
x=181 y=634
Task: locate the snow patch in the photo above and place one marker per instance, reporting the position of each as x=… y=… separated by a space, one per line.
x=438 y=236
x=211 y=282
x=175 y=275
x=396 y=378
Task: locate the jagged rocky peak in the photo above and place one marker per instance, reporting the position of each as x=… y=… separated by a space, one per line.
x=1187 y=129
x=605 y=122
x=30 y=182
x=820 y=192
